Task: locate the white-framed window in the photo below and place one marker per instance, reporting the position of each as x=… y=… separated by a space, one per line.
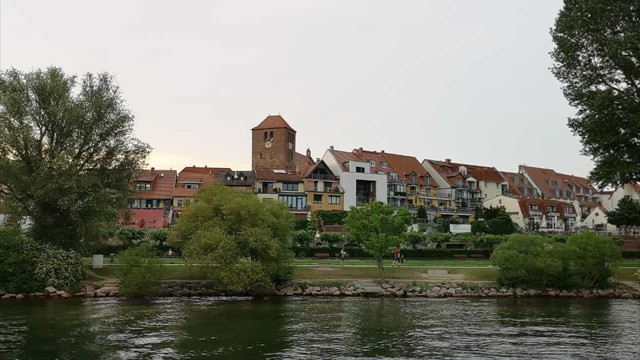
x=372 y=162
x=317 y=198
x=334 y=199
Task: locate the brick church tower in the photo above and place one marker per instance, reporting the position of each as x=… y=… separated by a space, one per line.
x=273 y=144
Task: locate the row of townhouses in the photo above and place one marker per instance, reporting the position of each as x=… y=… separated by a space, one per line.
x=536 y=198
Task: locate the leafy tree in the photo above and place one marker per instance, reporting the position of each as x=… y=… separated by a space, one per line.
x=139 y=271
x=597 y=59
x=593 y=259
x=415 y=238
x=67 y=153
x=440 y=238
x=331 y=238
x=422 y=212
x=501 y=225
x=303 y=237
x=334 y=217
x=626 y=214
x=378 y=228
x=245 y=241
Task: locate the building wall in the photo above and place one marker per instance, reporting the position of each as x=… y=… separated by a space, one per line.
x=348 y=183
x=309 y=185
x=611 y=202
x=279 y=155
x=510 y=205
x=442 y=183
x=490 y=189
x=598 y=217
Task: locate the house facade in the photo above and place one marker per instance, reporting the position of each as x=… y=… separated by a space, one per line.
x=360 y=182
x=150 y=204
x=323 y=188
x=285 y=186
x=537 y=214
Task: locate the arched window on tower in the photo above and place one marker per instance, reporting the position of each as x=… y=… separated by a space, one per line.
x=271 y=135
x=265 y=136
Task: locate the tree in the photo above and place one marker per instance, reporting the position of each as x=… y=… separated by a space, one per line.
x=378 y=228
x=496 y=221
x=67 y=153
x=597 y=59
x=593 y=259
x=303 y=237
x=244 y=241
x=415 y=238
x=626 y=214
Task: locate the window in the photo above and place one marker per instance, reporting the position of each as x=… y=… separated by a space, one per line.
x=261 y=155
x=334 y=199
x=384 y=164
x=516 y=180
x=290 y=187
x=294 y=202
x=191 y=186
x=265 y=136
x=317 y=199
x=533 y=207
x=271 y=135
x=372 y=162
x=412 y=178
x=551 y=208
x=500 y=201
x=459 y=183
x=359 y=169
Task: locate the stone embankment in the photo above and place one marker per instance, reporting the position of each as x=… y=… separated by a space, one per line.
x=110 y=288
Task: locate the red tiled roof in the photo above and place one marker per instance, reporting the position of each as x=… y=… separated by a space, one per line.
x=273 y=122
x=343 y=157
x=278 y=175
x=150 y=218
x=162 y=184
x=541 y=177
x=402 y=165
x=303 y=163
x=516 y=189
x=478 y=172
x=203 y=176
x=542 y=205
x=203 y=170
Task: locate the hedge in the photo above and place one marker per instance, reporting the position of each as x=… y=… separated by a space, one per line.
x=407 y=253
x=631 y=254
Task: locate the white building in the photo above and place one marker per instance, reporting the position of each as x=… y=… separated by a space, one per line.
x=359 y=183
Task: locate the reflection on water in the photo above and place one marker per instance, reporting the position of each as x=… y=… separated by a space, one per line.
x=304 y=328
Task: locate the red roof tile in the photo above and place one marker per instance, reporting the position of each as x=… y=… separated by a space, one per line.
x=162 y=184
x=402 y=165
x=542 y=206
x=449 y=169
x=541 y=178
x=277 y=175
x=273 y=122
x=518 y=188
x=303 y=163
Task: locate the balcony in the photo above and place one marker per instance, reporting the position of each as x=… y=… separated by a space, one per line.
x=335 y=190
x=397 y=194
x=323 y=177
x=553 y=213
x=360 y=201
x=535 y=212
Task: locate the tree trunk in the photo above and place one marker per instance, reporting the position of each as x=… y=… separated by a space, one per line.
x=381 y=268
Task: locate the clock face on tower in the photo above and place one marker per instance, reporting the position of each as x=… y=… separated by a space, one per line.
x=267 y=144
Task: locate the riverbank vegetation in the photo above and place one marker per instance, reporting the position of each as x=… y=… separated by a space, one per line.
x=240 y=241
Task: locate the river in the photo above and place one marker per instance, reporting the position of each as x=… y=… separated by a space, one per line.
x=317 y=328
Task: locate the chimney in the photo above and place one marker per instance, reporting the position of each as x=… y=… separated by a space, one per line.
x=308 y=152
x=331 y=148
x=381 y=151
x=153 y=170
x=317 y=160
x=359 y=151
x=205 y=166
x=448 y=161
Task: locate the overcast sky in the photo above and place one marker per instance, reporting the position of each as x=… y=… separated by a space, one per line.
x=465 y=80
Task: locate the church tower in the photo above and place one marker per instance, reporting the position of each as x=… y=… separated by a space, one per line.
x=273 y=144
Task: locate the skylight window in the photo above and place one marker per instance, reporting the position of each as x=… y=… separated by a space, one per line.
x=279 y=171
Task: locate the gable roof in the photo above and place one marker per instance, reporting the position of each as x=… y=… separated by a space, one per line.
x=343 y=157
x=402 y=165
x=162 y=183
x=273 y=122
x=522 y=187
x=248 y=178
x=542 y=206
x=277 y=175
x=542 y=176
x=303 y=162
x=449 y=170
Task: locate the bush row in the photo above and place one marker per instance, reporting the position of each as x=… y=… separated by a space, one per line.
x=407 y=253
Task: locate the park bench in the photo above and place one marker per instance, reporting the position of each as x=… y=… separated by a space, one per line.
x=477 y=256
x=322 y=255
x=459 y=256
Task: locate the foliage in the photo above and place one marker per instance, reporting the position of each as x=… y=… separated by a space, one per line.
x=439 y=238
x=626 y=214
x=67 y=153
x=585 y=260
x=407 y=253
x=444 y=224
x=157 y=236
x=129 y=235
x=331 y=238
x=139 y=271
x=303 y=237
x=300 y=225
x=529 y=260
x=422 y=212
x=637 y=274
x=245 y=241
x=334 y=217
x=415 y=238
x=378 y=228
x=596 y=58
x=489 y=241
x=495 y=221
x=30 y=266
x=593 y=258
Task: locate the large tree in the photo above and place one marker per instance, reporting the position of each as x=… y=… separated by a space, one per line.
x=597 y=59
x=67 y=153
x=378 y=228
x=626 y=214
x=244 y=241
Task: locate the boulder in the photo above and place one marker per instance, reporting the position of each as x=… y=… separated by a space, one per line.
x=50 y=290
x=348 y=293
x=8 y=296
x=20 y=296
x=435 y=289
x=451 y=291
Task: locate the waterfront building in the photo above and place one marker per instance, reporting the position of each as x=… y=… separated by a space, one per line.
x=150 y=204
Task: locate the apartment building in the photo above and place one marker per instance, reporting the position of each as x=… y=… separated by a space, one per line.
x=150 y=204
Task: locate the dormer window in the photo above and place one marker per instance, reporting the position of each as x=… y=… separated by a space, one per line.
x=191 y=186
x=143 y=187
x=384 y=164
x=372 y=162
x=228 y=177
x=412 y=178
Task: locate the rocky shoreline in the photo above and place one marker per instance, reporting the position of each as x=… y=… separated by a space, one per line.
x=370 y=289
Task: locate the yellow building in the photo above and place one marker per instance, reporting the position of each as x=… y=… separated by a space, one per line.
x=323 y=188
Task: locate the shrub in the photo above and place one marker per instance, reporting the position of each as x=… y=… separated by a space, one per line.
x=139 y=271
x=415 y=238
x=593 y=259
x=29 y=266
x=158 y=236
x=439 y=238
x=331 y=238
x=303 y=237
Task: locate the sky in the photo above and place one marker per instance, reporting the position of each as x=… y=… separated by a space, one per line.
x=461 y=80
